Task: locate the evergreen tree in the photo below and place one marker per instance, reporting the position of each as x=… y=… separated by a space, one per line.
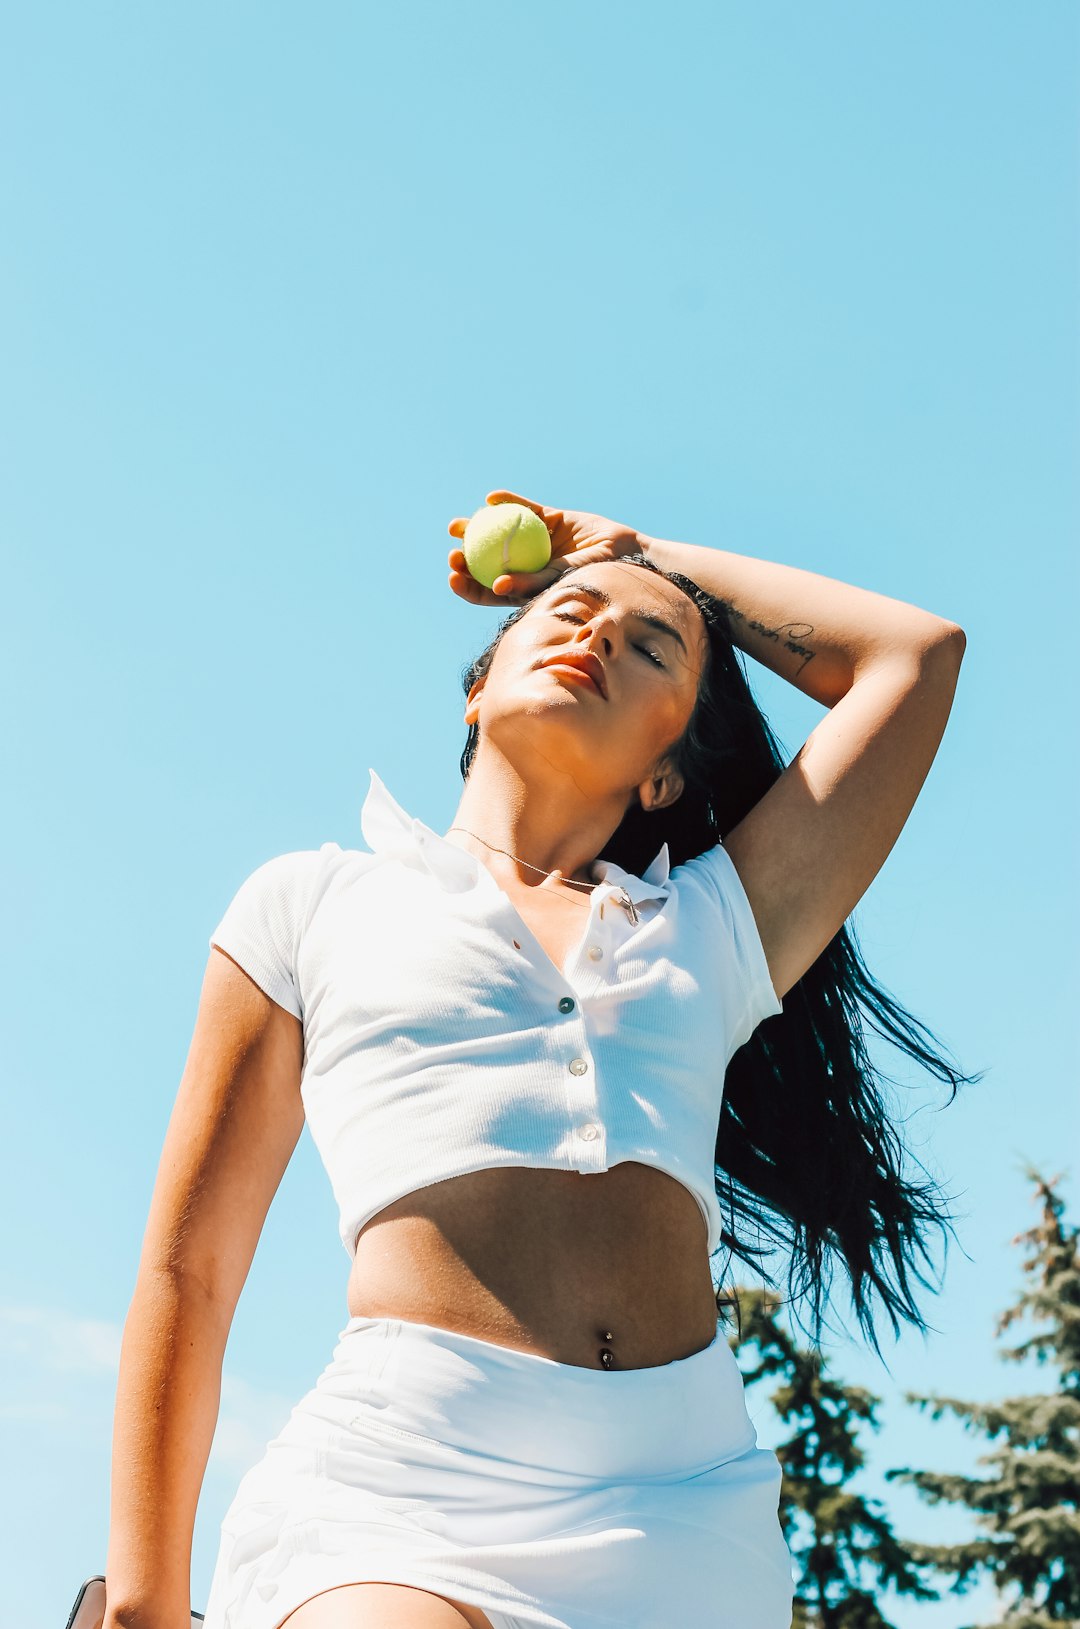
x=843 y=1547
x=1027 y=1506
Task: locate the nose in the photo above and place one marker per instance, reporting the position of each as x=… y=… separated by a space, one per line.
x=603 y=623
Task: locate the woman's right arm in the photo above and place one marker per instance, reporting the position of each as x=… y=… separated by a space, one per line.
x=236 y=1121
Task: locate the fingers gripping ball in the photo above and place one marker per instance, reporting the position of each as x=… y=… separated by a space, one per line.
x=505 y=537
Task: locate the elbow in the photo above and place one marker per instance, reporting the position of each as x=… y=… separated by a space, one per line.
x=951 y=637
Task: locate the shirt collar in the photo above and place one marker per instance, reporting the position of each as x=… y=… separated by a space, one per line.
x=389 y=829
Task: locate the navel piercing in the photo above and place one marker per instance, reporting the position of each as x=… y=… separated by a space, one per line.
x=607 y=1356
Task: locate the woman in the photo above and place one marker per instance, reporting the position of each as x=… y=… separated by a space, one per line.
x=535 y=1054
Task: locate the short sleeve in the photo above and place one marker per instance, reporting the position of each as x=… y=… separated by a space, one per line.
x=262 y=925
x=747 y=970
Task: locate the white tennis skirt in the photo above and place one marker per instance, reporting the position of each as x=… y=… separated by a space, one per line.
x=550 y=1495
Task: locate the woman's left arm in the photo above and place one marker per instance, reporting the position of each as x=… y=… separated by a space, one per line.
x=810 y=847
x=813 y=843
x=817 y=632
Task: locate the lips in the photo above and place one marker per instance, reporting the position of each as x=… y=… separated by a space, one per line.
x=585 y=663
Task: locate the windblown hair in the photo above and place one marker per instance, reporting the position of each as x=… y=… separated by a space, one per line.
x=807 y=1154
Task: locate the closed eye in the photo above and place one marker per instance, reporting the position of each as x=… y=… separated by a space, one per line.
x=569 y=616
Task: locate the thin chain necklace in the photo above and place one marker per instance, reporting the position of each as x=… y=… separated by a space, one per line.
x=624 y=898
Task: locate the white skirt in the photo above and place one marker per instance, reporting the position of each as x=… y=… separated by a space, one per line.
x=551 y=1495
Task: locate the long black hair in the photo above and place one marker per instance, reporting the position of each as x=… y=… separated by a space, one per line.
x=807 y=1154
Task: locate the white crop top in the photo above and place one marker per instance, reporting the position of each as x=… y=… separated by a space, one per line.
x=440 y=1038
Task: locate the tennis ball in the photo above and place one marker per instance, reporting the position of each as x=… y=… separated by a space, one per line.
x=505 y=537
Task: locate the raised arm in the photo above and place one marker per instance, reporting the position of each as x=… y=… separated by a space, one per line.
x=811 y=846
x=236 y=1120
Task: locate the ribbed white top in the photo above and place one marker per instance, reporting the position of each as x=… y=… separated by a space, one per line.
x=434 y=1045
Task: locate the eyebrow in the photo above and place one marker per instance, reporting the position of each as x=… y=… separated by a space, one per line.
x=642 y=615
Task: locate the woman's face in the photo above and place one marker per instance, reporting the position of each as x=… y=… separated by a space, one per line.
x=646 y=644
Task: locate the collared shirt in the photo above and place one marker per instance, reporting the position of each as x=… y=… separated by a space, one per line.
x=441 y=1038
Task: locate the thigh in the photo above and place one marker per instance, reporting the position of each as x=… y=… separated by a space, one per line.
x=384 y=1606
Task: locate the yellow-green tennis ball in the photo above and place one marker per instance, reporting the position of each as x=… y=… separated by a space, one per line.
x=505 y=537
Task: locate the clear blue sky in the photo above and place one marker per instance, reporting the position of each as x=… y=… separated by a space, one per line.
x=285 y=290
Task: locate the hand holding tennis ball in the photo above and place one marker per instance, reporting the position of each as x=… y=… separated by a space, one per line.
x=563 y=538
x=504 y=537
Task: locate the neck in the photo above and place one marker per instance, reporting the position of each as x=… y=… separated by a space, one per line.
x=550 y=824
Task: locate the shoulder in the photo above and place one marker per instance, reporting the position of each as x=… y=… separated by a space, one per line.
x=304 y=866
x=712 y=881
x=713 y=876
x=283 y=888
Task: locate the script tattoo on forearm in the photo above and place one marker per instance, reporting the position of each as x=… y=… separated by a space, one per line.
x=789 y=634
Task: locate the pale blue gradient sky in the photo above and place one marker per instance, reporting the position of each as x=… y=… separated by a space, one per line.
x=282 y=292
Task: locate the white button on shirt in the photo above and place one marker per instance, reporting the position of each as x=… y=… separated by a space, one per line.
x=433 y=1046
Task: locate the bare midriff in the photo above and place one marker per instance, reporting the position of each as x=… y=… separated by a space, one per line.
x=564 y=1264
x=605 y=1270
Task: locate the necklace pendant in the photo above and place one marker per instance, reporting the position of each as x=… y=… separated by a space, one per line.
x=628 y=905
